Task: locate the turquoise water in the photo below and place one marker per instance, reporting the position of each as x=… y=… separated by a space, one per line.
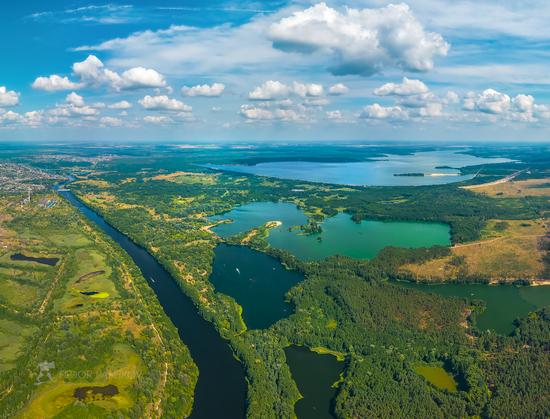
x=378 y=172
x=257 y=214
x=340 y=235
x=504 y=303
x=363 y=240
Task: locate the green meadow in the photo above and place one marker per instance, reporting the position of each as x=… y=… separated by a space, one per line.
x=90 y=317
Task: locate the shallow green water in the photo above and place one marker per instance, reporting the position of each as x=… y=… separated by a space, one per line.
x=256 y=281
x=314 y=375
x=438 y=376
x=340 y=234
x=363 y=240
x=504 y=303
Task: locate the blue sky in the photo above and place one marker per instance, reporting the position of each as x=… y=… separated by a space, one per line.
x=368 y=70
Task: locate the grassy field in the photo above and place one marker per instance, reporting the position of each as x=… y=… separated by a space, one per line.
x=122 y=370
x=13 y=336
x=508 y=250
x=187 y=178
x=516 y=189
x=92 y=316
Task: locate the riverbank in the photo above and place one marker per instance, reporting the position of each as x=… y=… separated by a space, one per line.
x=216 y=394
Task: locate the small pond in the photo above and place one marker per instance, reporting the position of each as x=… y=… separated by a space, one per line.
x=437 y=376
x=43 y=260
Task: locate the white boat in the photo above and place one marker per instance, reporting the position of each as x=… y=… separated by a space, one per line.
x=237 y=269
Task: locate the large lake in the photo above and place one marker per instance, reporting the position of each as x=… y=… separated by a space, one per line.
x=375 y=172
x=340 y=235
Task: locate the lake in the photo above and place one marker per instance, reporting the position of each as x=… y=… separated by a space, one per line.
x=314 y=375
x=504 y=303
x=374 y=172
x=257 y=282
x=340 y=234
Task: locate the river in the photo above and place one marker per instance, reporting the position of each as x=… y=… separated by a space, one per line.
x=221 y=387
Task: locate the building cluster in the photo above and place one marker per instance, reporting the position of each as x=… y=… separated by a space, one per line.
x=19 y=178
x=76 y=159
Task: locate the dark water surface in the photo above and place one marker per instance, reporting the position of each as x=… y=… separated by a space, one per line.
x=315 y=375
x=43 y=260
x=257 y=282
x=221 y=387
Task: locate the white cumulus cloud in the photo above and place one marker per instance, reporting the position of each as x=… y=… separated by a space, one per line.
x=75 y=107
x=10 y=119
x=140 y=77
x=251 y=112
x=55 y=83
x=407 y=87
x=377 y=111
x=338 y=89
x=109 y=121
x=214 y=90
x=123 y=105
x=489 y=101
x=164 y=103
x=412 y=99
x=360 y=41
x=273 y=90
x=270 y=90
x=74 y=99
x=158 y=119
x=521 y=107
x=8 y=97
x=92 y=73
x=304 y=90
